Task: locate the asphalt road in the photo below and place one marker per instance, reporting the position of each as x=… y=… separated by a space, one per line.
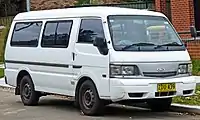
x=54 y=108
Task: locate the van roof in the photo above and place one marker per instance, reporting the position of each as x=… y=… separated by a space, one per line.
x=83 y=12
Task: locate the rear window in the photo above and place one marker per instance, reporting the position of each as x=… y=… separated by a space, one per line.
x=26 y=34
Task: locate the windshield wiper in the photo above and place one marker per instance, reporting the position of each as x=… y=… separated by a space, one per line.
x=168 y=44
x=172 y=44
x=138 y=44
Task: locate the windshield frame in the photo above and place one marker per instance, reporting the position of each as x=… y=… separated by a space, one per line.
x=164 y=18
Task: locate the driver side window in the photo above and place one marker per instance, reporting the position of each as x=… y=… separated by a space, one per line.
x=89 y=30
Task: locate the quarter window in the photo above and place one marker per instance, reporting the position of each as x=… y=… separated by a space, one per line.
x=26 y=34
x=89 y=30
x=56 y=34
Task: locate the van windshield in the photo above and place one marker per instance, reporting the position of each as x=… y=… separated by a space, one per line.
x=143 y=33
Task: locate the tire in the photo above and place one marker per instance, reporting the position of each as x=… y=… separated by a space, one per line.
x=107 y=102
x=89 y=100
x=76 y=103
x=160 y=105
x=28 y=94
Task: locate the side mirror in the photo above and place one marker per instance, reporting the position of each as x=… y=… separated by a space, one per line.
x=193 y=31
x=100 y=43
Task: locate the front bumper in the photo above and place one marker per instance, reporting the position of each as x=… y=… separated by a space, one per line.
x=127 y=89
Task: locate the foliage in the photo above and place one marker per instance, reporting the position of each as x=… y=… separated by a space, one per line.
x=81 y=2
x=196 y=67
x=1 y=72
x=193 y=100
x=3 y=38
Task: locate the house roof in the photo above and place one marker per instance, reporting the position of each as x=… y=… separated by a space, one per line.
x=83 y=11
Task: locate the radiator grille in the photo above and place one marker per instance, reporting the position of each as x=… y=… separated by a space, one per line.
x=160 y=74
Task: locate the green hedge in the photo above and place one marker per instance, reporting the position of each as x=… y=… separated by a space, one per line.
x=3 y=38
x=1 y=72
x=196 y=67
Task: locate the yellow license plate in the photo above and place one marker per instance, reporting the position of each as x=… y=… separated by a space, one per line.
x=166 y=87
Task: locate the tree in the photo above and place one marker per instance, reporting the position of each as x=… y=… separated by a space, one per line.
x=12 y=7
x=82 y=2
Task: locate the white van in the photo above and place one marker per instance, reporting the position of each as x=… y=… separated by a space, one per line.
x=98 y=55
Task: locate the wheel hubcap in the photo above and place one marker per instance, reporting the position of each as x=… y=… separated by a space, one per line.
x=26 y=91
x=88 y=99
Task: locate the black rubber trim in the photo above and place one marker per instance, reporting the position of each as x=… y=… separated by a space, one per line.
x=77 y=66
x=37 y=63
x=6 y=82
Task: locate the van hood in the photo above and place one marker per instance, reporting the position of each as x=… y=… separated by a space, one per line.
x=156 y=56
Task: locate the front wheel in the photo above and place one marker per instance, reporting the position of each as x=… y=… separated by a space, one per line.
x=160 y=105
x=89 y=100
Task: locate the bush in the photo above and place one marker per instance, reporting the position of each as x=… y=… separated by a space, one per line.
x=1 y=73
x=3 y=39
x=193 y=100
x=196 y=67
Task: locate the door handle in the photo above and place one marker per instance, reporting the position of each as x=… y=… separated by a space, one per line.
x=73 y=56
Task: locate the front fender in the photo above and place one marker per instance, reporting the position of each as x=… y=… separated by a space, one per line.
x=101 y=83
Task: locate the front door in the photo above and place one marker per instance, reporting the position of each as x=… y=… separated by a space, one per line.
x=88 y=61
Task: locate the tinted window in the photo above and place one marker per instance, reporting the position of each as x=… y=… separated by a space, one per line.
x=26 y=34
x=90 y=28
x=63 y=32
x=48 y=38
x=56 y=34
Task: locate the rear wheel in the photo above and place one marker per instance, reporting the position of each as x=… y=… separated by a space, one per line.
x=28 y=94
x=160 y=105
x=89 y=100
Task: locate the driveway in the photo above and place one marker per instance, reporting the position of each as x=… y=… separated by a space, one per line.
x=54 y=108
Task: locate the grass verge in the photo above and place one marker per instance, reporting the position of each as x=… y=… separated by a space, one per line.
x=193 y=100
x=1 y=72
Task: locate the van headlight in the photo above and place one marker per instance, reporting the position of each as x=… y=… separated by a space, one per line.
x=123 y=70
x=185 y=69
